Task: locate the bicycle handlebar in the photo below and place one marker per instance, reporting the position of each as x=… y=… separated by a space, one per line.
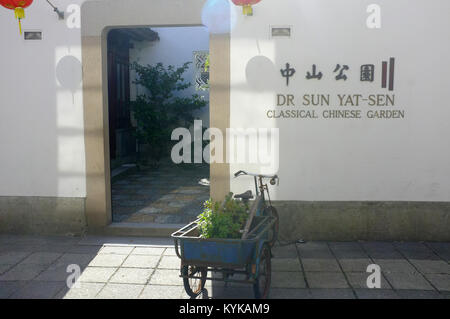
x=239 y=173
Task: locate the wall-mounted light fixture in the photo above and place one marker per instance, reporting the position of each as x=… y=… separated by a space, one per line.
x=59 y=13
x=32 y=35
x=281 y=32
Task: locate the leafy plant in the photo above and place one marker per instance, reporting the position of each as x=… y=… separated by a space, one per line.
x=159 y=110
x=223 y=220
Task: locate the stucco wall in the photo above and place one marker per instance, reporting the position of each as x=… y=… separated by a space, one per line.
x=348 y=159
x=44 y=137
x=41 y=108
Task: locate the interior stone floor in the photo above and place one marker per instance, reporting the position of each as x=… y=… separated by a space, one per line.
x=170 y=194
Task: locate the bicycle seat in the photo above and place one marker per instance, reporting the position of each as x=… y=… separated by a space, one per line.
x=245 y=196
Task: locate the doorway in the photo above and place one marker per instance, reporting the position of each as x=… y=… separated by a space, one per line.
x=95 y=90
x=146 y=186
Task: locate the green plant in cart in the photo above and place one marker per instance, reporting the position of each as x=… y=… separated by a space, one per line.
x=223 y=220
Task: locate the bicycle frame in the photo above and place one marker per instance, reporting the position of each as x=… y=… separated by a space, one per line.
x=262 y=188
x=259 y=205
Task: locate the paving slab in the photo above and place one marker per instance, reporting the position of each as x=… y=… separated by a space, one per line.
x=407 y=280
x=121 y=241
x=41 y=258
x=419 y=294
x=154 y=251
x=395 y=265
x=131 y=276
x=283 y=293
x=170 y=252
x=169 y=262
x=328 y=265
x=141 y=261
x=74 y=259
x=7 y=288
x=23 y=272
x=52 y=248
x=440 y=281
x=13 y=257
x=166 y=277
x=376 y=294
x=230 y=293
x=289 y=251
x=85 y=290
x=355 y=265
x=441 y=249
x=326 y=280
x=120 y=291
x=4 y=248
x=25 y=248
x=314 y=250
x=55 y=273
x=150 y=268
x=38 y=290
x=415 y=250
x=381 y=250
x=431 y=266
x=119 y=250
x=347 y=250
x=108 y=260
x=332 y=294
x=287 y=280
x=286 y=264
x=358 y=280
x=162 y=292
x=85 y=249
x=445 y=294
x=4 y=268
x=97 y=274
x=227 y=284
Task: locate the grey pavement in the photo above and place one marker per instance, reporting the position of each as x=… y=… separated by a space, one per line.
x=148 y=268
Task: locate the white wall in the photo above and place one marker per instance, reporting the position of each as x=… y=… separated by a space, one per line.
x=364 y=159
x=41 y=110
x=175 y=47
x=41 y=117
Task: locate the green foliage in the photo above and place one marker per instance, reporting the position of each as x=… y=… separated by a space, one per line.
x=223 y=220
x=159 y=110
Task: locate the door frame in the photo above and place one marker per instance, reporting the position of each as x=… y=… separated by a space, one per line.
x=98 y=18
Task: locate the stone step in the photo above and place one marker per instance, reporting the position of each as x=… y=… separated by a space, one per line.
x=137 y=229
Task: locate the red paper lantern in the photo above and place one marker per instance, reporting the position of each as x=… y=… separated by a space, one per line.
x=18 y=6
x=246 y=5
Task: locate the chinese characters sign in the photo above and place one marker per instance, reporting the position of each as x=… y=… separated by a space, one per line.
x=340 y=106
x=367 y=73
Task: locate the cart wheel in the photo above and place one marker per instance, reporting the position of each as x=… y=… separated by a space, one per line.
x=261 y=287
x=194 y=286
x=273 y=233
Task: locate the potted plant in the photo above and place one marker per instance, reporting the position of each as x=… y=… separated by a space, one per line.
x=223 y=220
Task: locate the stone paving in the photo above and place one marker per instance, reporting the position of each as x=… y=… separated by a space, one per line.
x=167 y=195
x=36 y=267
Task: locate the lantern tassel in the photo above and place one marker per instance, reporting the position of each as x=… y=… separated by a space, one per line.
x=20 y=14
x=247 y=10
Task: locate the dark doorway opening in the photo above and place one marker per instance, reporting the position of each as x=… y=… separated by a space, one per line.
x=165 y=193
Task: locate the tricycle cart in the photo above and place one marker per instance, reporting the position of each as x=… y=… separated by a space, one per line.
x=249 y=256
